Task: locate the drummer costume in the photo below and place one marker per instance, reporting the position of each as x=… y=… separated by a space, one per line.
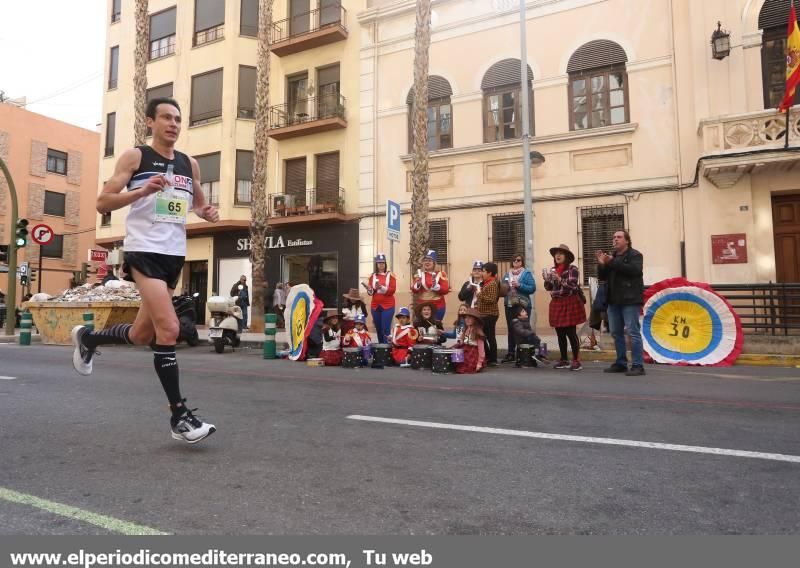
x=431 y=287
x=357 y=337
x=353 y=308
x=404 y=337
x=471 y=341
x=331 y=342
x=428 y=329
x=382 y=286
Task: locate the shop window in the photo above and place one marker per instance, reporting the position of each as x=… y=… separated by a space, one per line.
x=56 y=162
x=598 y=225
x=162 y=33
x=598 y=86
x=502 y=101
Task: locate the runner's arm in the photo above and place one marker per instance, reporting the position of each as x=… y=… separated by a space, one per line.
x=112 y=196
x=202 y=209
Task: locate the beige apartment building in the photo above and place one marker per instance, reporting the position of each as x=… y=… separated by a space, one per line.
x=639 y=125
x=626 y=100
x=203 y=53
x=54 y=168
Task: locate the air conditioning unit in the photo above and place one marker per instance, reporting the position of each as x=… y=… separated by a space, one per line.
x=282 y=201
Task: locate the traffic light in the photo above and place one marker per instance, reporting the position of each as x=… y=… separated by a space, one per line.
x=32 y=277
x=22 y=233
x=4 y=253
x=23 y=280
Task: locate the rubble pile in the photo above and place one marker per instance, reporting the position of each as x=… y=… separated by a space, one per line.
x=113 y=291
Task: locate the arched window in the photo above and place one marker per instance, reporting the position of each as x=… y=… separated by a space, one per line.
x=773 y=20
x=502 y=101
x=440 y=114
x=598 y=85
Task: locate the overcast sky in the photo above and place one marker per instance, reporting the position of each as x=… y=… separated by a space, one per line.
x=53 y=52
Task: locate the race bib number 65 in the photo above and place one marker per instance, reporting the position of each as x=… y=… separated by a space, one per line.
x=171 y=210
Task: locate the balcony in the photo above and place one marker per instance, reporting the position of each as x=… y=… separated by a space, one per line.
x=307 y=31
x=762 y=132
x=314 y=205
x=307 y=116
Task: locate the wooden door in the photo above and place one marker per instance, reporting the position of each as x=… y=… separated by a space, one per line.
x=786 y=228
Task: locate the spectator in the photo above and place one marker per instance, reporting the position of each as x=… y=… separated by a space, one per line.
x=279 y=303
x=430 y=285
x=520 y=285
x=520 y=327
x=622 y=271
x=488 y=295
x=431 y=331
x=241 y=292
x=381 y=287
x=566 y=304
x=469 y=290
x=109 y=275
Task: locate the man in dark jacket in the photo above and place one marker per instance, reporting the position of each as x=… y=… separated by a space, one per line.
x=241 y=292
x=622 y=271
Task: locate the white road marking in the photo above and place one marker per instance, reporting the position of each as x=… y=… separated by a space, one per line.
x=584 y=439
x=2 y=378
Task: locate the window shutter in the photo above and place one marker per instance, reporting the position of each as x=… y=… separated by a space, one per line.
x=774 y=14
x=328 y=178
x=244 y=165
x=113 y=70
x=247 y=92
x=248 y=22
x=54 y=203
x=209 y=167
x=437 y=239
x=206 y=96
x=295 y=183
x=111 y=127
x=438 y=88
x=162 y=24
x=598 y=53
x=598 y=225
x=504 y=73
x=160 y=91
x=508 y=236
x=208 y=14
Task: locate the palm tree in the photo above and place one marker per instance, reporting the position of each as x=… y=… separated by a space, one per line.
x=419 y=125
x=140 y=72
x=258 y=200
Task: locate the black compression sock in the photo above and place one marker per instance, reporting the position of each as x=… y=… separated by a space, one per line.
x=118 y=334
x=166 y=365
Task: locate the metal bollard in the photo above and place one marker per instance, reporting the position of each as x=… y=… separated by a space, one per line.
x=25 y=324
x=88 y=320
x=270 y=330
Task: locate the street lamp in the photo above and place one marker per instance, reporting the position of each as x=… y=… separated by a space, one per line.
x=720 y=43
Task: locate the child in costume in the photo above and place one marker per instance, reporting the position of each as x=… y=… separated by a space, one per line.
x=381 y=287
x=471 y=341
x=353 y=306
x=332 y=341
x=358 y=336
x=459 y=324
x=430 y=330
x=404 y=336
x=431 y=285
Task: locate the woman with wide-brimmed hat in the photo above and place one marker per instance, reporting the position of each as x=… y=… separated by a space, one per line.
x=381 y=287
x=471 y=340
x=563 y=281
x=332 y=340
x=431 y=330
x=353 y=307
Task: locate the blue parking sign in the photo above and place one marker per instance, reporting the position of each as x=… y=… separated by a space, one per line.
x=392 y=220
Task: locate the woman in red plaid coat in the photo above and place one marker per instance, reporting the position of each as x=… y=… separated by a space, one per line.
x=563 y=281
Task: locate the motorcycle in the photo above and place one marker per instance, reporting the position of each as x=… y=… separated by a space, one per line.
x=223 y=327
x=186 y=309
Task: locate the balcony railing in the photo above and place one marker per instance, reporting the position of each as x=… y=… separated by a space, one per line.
x=766 y=309
x=209 y=35
x=750 y=131
x=307 y=116
x=312 y=202
x=308 y=30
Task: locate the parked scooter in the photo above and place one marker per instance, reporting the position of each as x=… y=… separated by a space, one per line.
x=186 y=309
x=223 y=327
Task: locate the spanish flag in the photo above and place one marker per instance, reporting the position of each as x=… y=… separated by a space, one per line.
x=792 y=61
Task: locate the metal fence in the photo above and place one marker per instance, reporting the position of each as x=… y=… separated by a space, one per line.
x=308 y=22
x=306 y=110
x=766 y=309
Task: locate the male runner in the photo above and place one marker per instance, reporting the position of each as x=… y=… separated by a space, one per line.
x=155 y=246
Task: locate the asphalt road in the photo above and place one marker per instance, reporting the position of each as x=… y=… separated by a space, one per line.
x=93 y=455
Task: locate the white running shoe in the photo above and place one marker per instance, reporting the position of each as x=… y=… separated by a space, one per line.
x=190 y=429
x=82 y=356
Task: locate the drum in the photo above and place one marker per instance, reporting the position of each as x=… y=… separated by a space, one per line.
x=458 y=355
x=525 y=354
x=421 y=357
x=442 y=361
x=381 y=353
x=352 y=357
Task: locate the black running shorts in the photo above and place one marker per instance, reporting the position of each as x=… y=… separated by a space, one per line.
x=164 y=267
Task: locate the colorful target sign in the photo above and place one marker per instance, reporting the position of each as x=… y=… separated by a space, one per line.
x=302 y=311
x=688 y=323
